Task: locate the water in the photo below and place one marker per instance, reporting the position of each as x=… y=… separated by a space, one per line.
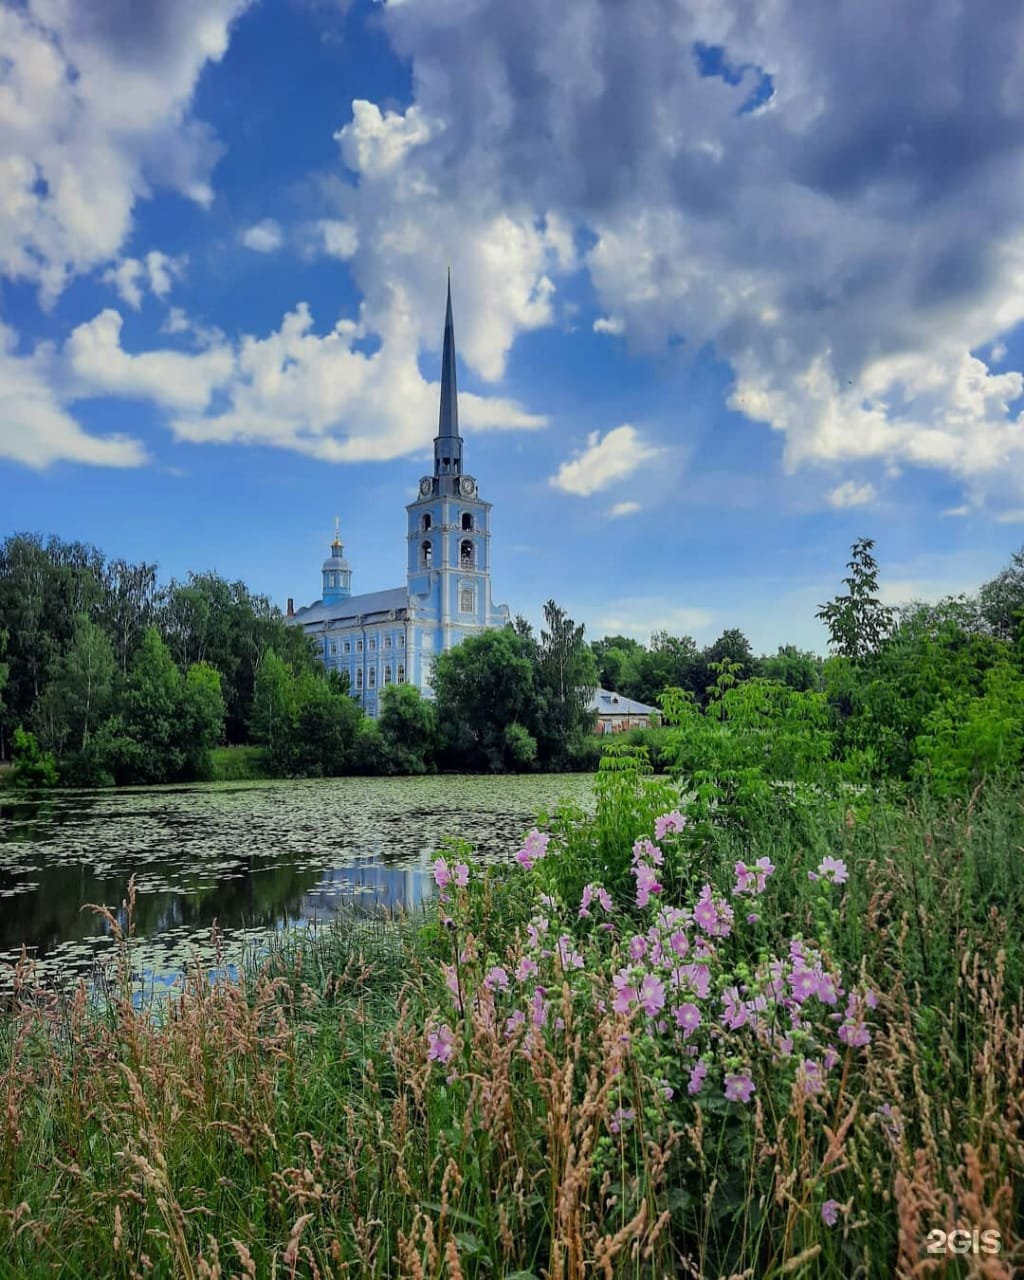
x=254 y=857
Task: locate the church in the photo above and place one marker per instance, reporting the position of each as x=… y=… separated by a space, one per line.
x=393 y=636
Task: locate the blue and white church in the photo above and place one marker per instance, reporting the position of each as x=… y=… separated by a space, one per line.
x=394 y=636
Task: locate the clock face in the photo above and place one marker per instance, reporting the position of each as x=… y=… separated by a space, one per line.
x=425 y=486
x=467 y=487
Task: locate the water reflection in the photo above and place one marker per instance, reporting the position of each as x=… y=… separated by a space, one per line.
x=253 y=857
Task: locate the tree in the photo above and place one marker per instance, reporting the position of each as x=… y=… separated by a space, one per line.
x=1001 y=601
x=273 y=698
x=202 y=718
x=732 y=645
x=84 y=680
x=483 y=685
x=670 y=662
x=618 y=662
x=33 y=767
x=408 y=727
x=152 y=710
x=567 y=679
x=858 y=622
x=798 y=669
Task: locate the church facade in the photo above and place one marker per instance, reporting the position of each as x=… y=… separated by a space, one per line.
x=394 y=636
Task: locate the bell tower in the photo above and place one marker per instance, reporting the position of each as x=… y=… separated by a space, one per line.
x=337 y=572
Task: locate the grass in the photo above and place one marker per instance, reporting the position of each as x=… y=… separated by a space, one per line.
x=239 y=764
x=292 y=1124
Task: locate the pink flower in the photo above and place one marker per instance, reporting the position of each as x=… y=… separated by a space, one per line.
x=637 y=946
x=621 y=1118
x=625 y=991
x=739 y=1087
x=539 y=1006
x=646 y=884
x=714 y=916
x=451 y=981
x=697 y=1074
x=652 y=994
x=673 y=821
x=735 y=1014
x=440 y=1043
x=688 y=1019
x=568 y=956
x=830 y=1212
x=514 y=1022
x=496 y=979
x=643 y=848
x=526 y=968
x=535 y=847
x=442 y=875
x=811 y=1076
x=832 y=870
x=461 y=875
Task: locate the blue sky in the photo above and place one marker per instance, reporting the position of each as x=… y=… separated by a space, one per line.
x=731 y=290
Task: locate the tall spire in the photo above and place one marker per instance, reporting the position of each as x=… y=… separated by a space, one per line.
x=448 y=422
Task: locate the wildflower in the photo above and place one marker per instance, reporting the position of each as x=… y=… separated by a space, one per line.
x=585 y=901
x=811 y=1076
x=644 y=848
x=621 y=1118
x=735 y=1014
x=546 y=900
x=568 y=956
x=637 y=947
x=830 y=1212
x=687 y=1019
x=440 y=1043
x=625 y=991
x=739 y=1087
x=460 y=873
x=853 y=1032
x=832 y=870
x=673 y=822
x=652 y=994
x=514 y=1022
x=442 y=876
x=535 y=928
x=714 y=916
x=451 y=981
x=496 y=979
x=526 y=968
x=753 y=917
x=646 y=884
x=539 y=1006
x=697 y=1074
x=535 y=847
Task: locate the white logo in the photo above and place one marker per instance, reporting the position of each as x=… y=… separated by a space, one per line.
x=964 y=1241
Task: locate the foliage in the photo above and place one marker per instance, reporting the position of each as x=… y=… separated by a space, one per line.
x=32 y=767
x=238 y=764
x=408 y=728
x=858 y=622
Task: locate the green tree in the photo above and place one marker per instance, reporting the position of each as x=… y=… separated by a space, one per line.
x=408 y=727
x=858 y=622
x=796 y=668
x=32 y=767
x=567 y=674
x=202 y=718
x=482 y=686
x=152 y=710
x=84 y=680
x=323 y=727
x=1001 y=601
x=618 y=662
x=273 y=699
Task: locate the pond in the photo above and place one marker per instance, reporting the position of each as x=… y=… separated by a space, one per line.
x=255 y=857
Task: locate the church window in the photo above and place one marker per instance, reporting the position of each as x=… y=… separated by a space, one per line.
x=466 y=554
x=467 y=601
x=359 y=677
x=371 y=678
x=426 y=521
x=359 y=646
x=467 y=520
x=401 y=673
x=426 y=555
x=334 y=646
x=373 y=642
x=387 y=674
x=348 y=646
x=387 y=642
x=401 y=642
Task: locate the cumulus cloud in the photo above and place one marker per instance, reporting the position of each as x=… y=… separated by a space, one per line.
x=852 y=494
x=94 y=113
x=836 y=207
x=609 y=324
x=642 y=616
x=605 y=460
x=263 y=237
x=624 y=509
x=339 y=239
x=131 y=277
x=36 y=429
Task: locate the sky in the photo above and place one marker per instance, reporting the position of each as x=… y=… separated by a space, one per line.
x=731 y=290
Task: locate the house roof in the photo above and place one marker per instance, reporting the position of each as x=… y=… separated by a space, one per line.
x=607 y=703
x=371 y=607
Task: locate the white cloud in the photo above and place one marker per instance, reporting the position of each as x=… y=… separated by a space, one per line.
x=264 y=237
x=1015 y=516
x=624 y=509
x=641 y=616
x=156 y=272
x=95 y=113
x=852 y=494
x=609 y=324
x=35 y=429
x=99 y=365
x=339 y=239
x=956 y=512
x=604 y=461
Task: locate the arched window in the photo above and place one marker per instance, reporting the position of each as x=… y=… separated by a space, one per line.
x=426 y=554
x=371 y=678
x=387 y=674
x=401 y=673
x=467 y=600
x=467 y=520
x=466 y=554
x=426 y=521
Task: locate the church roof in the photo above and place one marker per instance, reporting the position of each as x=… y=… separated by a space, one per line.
x=448 y=420
x=372 y=606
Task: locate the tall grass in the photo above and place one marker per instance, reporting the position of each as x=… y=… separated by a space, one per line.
x=292 y=1123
